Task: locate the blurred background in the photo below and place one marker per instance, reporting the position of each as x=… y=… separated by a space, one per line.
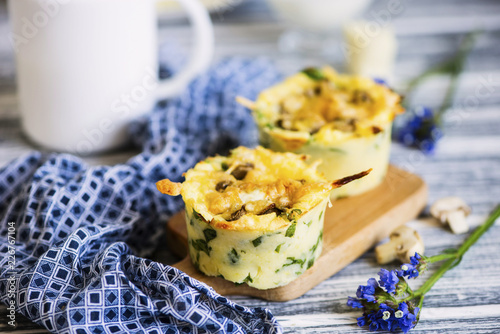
x=411 y=37
x=427 y=31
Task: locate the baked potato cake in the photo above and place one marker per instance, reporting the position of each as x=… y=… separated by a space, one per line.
x=255 y=216
x=341 y=119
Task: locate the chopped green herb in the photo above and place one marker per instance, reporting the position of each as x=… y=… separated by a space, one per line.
x=320 y=215
x=209 y=234
x=199 y=216
x=291 y=215
x=310 y=263
x=314 y=73
x=294 y=261
x=290 y=232
x=234 y=257
x=201 y=246
x=257 y=242
x=294 y=214
x=277 y=250
x=224 y=166
x=298 y=273
x=309 y=223
x=248 y=279
x=337 y=150
x=316 y=245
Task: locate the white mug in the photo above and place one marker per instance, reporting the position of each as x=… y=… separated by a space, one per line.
x=86 y=68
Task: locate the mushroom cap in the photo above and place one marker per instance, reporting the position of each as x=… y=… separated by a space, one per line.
x=448 y=204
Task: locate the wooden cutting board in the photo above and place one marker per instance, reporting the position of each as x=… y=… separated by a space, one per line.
x=352 y=226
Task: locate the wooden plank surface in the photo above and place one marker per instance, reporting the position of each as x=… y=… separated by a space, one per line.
x=466 y=164
x=352 y=226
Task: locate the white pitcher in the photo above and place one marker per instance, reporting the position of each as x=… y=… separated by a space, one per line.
x=86 y=68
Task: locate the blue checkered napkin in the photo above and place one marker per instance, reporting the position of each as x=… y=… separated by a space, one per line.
x=77 y=227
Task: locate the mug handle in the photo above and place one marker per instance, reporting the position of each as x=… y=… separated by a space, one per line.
x=201 y=52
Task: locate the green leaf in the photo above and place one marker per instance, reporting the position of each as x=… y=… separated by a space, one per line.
x=248 y=279
x=314 y=73
x=278 y=248
x=291 y=215
x=310 y=263
x=316 y=245
x=294 y=214
x=294 y=261
x=290 y=232
x=234 y=257
x=337 y=150
x=199 y=216
x=210 y=234
x=201 y=246
x=257 y=241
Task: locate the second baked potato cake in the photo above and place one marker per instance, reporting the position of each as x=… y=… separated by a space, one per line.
x=343 y=120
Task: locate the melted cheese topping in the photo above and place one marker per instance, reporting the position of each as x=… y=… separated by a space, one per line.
x=326 y=107
x=253 y=189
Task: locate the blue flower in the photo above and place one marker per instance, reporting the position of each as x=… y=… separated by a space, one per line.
x=405 y=319
x=382 y=319
x=388 y=319
x=408 y=270
x=388 y=279
x=418 y=128
x=415 y=260
x=367 y=291
x=354 y=302
x=380 y=81
x=361 y=321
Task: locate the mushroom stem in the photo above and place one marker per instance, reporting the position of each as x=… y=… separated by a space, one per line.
x=457 y=222
x=452 y=211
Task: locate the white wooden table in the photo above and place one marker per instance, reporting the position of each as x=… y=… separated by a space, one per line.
x=466 y=164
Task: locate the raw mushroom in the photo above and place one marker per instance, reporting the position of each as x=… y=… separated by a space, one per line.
x=403 y=243
x=452 y=210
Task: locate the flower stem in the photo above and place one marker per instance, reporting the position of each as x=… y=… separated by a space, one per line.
x=454 y=259
x=455 y=68
x=441 y=257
